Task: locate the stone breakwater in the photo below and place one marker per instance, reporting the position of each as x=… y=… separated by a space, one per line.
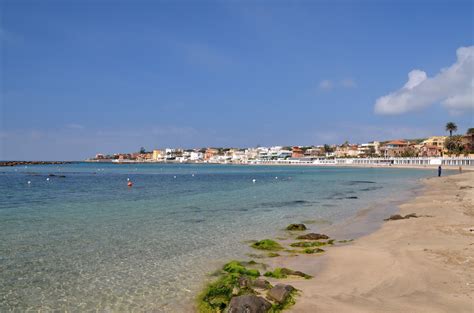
x=18 y=163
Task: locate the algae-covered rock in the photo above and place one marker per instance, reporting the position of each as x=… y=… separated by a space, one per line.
x=296 y=227
x=272 y=254
x=249 y=304
x=280 y=292
x=311 y=250
x=313 y=236
x=267 y=244
x=217 y=294
x=306 y=244
x=237 y=267
x=283 y=272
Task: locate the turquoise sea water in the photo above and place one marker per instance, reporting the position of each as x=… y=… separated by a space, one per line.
x=87 y=242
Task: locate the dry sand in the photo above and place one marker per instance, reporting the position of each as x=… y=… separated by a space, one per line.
x=423 y=264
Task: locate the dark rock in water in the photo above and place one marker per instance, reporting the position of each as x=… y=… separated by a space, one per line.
x=261 y=283
x=352 y=197
x=399 y=217
x=249 y=304
x=313 y=236
x=296 y=227
x=280 y=292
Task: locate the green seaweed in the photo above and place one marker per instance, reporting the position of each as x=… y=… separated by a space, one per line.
x=237 y=267
x=331 y=242
x=272 y=254
x=216 y=296
x=307 y=244
x=277 y=273
x=283 y=272
x=267 y=244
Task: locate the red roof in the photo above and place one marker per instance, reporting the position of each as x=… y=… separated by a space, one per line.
x=397 y=142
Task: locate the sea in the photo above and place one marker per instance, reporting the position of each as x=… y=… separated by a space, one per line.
x=76 y=238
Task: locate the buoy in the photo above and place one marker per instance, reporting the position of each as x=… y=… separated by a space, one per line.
x=47 y=179
x=29 y=182
x=128 y=179
x=129 y=184
x=276 y=177
x=174 y=176
x=192 y=175
x=254 y=180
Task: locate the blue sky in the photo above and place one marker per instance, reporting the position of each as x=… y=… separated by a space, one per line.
x=82 y=77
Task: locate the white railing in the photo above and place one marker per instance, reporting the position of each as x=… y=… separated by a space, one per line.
x=416 y=161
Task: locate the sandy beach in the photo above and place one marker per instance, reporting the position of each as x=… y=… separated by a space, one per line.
x=420 y=264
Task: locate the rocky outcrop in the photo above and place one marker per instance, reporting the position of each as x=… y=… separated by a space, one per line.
x=313 y=236
x=249 y=304
x=280 y=292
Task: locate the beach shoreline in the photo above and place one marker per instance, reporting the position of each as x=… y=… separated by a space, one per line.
x=412 y=265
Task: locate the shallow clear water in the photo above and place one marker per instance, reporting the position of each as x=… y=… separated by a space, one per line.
x=87 y=242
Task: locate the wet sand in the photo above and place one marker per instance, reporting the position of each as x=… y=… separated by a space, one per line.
x=423 y=264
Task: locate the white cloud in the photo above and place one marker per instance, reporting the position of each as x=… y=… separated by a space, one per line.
x=325 y=84
x=453 y=87
x=348 y=83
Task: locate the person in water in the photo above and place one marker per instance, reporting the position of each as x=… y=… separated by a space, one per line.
x=439 y=171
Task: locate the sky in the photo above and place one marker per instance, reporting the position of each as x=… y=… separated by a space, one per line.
x=84 y=77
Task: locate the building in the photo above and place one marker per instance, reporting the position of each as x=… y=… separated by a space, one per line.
x=394 y=148
x=314 y=152
x=369 y=149
x=196 y=156
x=347 y=151
x=297 y=152
x=158 y=155
x=210 y=153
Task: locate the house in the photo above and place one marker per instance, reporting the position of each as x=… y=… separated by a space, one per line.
x=429 y=151
x=347 y=150
x=297 y=152
x=210 y=153
x=432 y=147
x=395 y=148
x=314 y=152
x=196 y=156
x=369 y=149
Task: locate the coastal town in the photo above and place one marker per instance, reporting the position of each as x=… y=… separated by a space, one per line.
x=452 y=146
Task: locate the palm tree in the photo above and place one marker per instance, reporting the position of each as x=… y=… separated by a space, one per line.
x=451 y=127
